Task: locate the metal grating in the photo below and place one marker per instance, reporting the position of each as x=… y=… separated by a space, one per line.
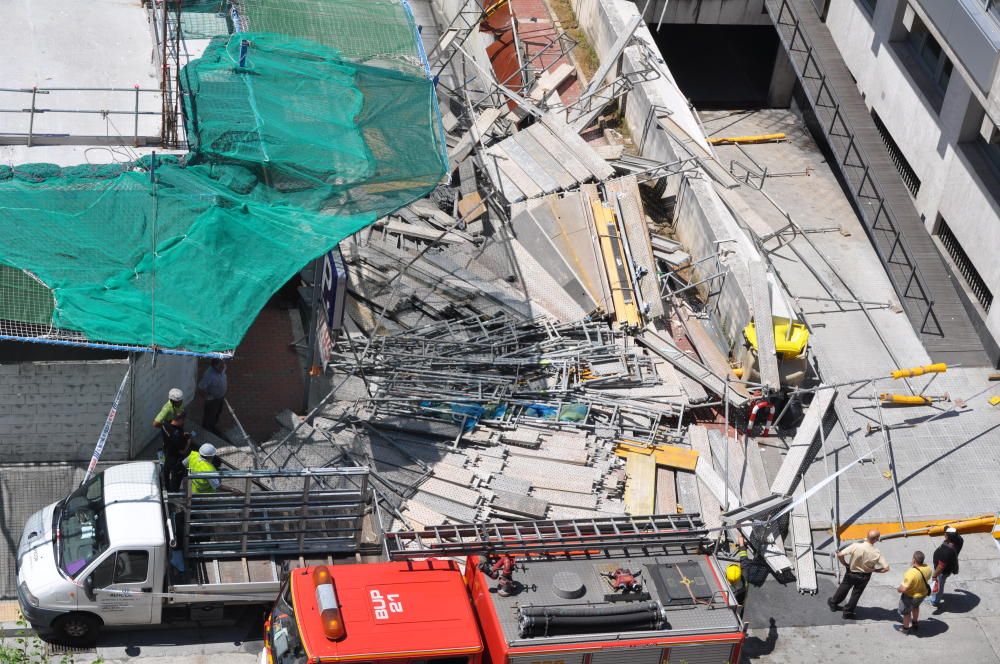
x=61 y=650
x=964 y=265
x=910 y=178
x=276 y=512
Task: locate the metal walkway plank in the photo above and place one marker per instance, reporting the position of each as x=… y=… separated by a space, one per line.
x=633 y=219
x=760 y=296
x=802 y=546
x=803 y=449
x=689 y=366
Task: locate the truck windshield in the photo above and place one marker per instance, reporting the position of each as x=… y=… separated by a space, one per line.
x=283 y=637
x=83 y=533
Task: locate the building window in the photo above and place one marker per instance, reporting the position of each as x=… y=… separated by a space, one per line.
x=930 y=55
x=992 y=8
x=910 y=178
x=991 y=151
x=868 y=6
x=964 y=265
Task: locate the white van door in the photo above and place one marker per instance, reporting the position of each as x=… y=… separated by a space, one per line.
x=119 y=587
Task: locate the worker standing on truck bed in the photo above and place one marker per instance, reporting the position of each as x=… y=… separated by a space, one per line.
x=172 y=409
x=176 y=444
x=203 y=461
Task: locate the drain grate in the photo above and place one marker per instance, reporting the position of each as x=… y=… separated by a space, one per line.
x=58 y=649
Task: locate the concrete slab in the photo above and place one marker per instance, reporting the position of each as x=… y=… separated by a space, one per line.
x=51 y=43
x=959 y=641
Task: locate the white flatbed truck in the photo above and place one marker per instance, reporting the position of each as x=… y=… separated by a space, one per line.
x=119 y=551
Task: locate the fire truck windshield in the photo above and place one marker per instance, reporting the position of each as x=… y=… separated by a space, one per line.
x=283 y=642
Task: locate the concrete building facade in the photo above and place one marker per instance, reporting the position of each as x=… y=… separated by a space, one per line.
x=929 y=72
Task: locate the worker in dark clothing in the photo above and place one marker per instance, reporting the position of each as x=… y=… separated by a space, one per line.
x=736 y=574
x=213 y=387
x=176 y=445
x=945 y=564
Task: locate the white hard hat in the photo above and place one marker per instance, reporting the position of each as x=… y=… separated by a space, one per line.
x=951 y=530
x=175 y=394
x=208 y=450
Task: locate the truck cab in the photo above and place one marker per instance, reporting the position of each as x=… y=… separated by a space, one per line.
x=413 y=612
x=119 y=552
x=96 y=557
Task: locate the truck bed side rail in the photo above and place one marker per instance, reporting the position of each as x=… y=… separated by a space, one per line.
x=275 y=513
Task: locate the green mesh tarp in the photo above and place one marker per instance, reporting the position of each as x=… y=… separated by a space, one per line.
x=375 y=32
x=290 y=153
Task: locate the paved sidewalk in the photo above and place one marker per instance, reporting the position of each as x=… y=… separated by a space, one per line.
x=965 y=629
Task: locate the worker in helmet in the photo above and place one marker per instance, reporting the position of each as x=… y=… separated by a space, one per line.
x=736 y=574
x=172 y=410
x=203 y=460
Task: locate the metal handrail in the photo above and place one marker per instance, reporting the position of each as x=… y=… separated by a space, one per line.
x=34 y=109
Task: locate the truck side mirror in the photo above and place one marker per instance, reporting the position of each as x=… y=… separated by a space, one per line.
x=88 y=587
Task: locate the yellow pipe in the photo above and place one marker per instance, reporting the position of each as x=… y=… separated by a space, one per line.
x=908 y=400
x=920 y=371
x=979 y=524
x=761 y=138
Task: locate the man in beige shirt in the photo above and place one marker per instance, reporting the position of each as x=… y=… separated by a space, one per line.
x=861 y=559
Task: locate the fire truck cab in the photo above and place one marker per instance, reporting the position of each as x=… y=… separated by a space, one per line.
x=402 y=612
x=523 y=602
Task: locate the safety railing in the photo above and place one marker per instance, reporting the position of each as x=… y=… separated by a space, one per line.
x=39 y=102
x=879 y=218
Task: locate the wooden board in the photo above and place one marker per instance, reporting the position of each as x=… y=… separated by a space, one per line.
x=640 y=486
x=666 y=491
x=670 y=456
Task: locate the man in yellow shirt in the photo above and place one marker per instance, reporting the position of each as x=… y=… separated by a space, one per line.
x=915 y=587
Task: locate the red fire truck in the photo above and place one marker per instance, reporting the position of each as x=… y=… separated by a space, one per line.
x=638 y=590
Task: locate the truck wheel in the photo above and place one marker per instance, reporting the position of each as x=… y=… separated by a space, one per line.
x=77 y=628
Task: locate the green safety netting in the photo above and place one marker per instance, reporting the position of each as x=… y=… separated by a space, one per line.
x=374 y=32
x=290 y=153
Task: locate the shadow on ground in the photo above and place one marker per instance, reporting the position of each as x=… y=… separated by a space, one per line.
x=755 y=647
x=244 y=635
x=957 y=601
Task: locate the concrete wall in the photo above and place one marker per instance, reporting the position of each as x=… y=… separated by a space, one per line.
x=603 y=21
x=148 y=391
x=953 y=184
x=701 y=220
x=54 y=411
